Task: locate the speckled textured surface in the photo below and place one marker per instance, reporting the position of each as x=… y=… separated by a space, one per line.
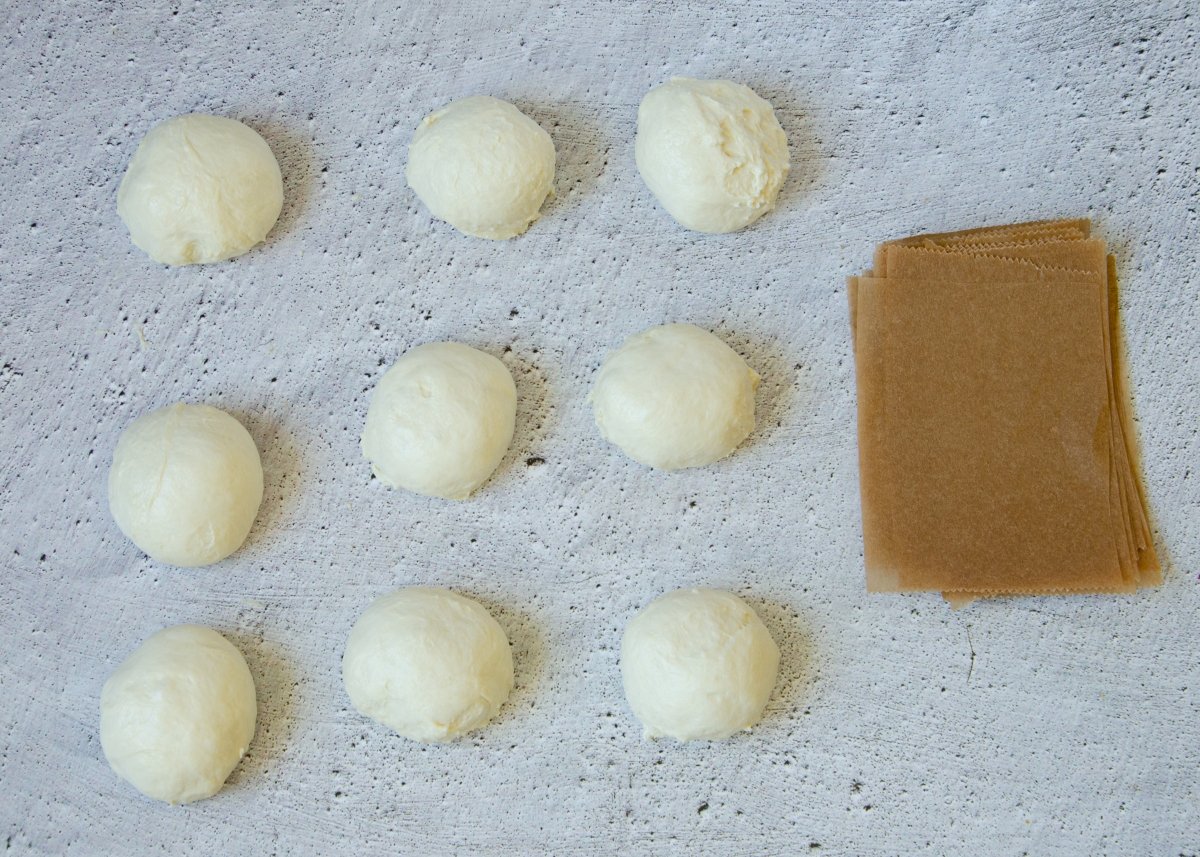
x=1041 y=726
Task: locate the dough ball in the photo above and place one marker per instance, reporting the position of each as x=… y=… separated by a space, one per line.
x=440 y=420
x=428 y=663
x=200 y=189
x=178 y=714
x=712 y=151
x=675 y=396
x=698 y=664
x=185 y=484
x=481 y=165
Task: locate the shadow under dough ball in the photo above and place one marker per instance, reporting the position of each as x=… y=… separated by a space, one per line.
x=200 y=189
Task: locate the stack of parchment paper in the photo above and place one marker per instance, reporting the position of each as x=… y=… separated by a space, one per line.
x=995 y=450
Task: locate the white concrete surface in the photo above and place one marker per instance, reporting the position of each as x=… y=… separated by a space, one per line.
x=1042 y=726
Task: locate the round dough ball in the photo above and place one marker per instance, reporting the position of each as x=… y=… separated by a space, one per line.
x=428 y=663
x=712 y=151
x=698 y=664
x=185 y=484
x=200 y=189
x=481 y=165
x=675 y=396
x=178 y=714
x=440 y=420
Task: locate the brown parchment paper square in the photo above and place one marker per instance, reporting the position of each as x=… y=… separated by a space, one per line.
x=962 y=376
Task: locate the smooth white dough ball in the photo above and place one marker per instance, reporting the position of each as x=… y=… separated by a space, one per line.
x=186 y=483
x=428 y=663
x=440 y=420
x=698 y=664
x=178 y=714
x=675 y=396
x=200 y=189
x=482 y=165
x=712 y=152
